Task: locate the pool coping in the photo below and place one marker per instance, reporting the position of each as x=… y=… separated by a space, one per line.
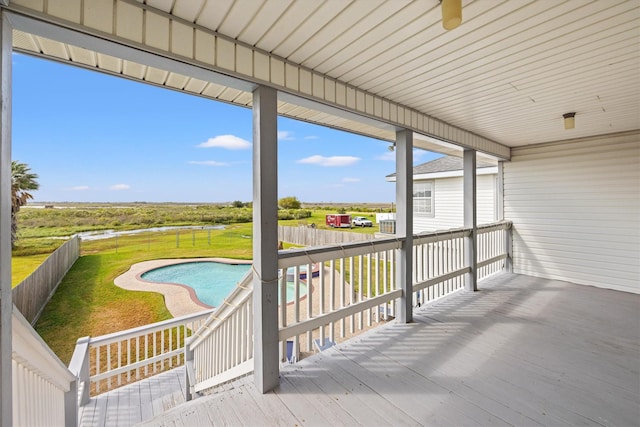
x=179 y=299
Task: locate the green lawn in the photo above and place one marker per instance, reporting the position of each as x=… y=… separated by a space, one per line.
x=88 y=303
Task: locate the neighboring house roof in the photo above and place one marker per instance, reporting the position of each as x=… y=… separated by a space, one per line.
x=444 y=164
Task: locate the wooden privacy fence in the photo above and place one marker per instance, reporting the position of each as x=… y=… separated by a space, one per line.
x=33 y=293
x=308 y=236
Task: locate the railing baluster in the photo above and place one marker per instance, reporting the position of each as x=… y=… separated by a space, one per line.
x=309 y=304
x=129 y=358
x=170 y=345
x=97 y=367
x=282 y=312
x=321 y=302
x=296 y=307
x=119 y=346
x=146 y=355
x=342 y=296
x=178 y=345
x=369 y=294
x=108 y=365
x=352 y=280
x=385 y=276
x=332 y=297
x=376 y=282
x=360 y=286
x=137 y=358
x=449 y=268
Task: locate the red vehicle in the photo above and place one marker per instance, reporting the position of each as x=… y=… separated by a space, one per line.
x=338 y=220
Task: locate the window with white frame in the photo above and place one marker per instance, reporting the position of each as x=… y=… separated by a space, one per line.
x=423 y=198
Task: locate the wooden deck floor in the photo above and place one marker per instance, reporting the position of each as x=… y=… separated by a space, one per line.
x=522 y=351
x=137 y=402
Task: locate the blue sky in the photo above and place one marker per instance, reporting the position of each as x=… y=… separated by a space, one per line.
x=92 y=137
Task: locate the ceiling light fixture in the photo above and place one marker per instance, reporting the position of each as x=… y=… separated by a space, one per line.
x=451 y=13
x=392 y=147
x=569 y=120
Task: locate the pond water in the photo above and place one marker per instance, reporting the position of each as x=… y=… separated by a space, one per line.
x=108 y=234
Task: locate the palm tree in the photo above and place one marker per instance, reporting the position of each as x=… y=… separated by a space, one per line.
x=22 y=181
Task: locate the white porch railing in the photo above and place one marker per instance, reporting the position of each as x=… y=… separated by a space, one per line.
x=494 y=248
x=43 y=389
x=353 y=286
x=356 y=287
x=109 y=361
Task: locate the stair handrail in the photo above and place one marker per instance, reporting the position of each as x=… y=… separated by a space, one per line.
x=40 y=376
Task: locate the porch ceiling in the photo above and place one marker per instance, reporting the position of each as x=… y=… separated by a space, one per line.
x=506 y=75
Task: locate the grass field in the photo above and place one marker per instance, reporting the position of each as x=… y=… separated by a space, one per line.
x=88 y=303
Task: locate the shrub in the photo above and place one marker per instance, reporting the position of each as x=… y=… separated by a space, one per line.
x=289 y=203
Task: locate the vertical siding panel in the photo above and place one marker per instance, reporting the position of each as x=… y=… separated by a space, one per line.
x=575 y=208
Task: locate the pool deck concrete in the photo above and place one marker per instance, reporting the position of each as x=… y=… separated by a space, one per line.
x=179 y=299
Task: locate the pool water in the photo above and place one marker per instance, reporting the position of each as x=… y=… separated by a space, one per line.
x=211 y=281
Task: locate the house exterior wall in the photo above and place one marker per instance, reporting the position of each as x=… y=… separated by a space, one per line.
x=448 y=204
x=575 y=208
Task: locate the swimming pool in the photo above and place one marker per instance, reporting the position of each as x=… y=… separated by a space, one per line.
x=211 y=281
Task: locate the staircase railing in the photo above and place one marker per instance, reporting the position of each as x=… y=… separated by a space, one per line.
x=110 y=361
x=44 y=390
x=222 y=349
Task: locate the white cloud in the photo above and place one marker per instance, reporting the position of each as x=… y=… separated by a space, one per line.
x=285 y=135
x=208 y=163
x=229 y=142
x=387 y=156
x=80 y=188
x=312 y=137
x=330 y=161
x=351 y=180
x=120 y=187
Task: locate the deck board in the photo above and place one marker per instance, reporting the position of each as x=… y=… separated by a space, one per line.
x=522 y=351
x=136 y=402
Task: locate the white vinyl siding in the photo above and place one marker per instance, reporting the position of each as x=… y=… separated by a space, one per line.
x=448 y=203
x=575 y=208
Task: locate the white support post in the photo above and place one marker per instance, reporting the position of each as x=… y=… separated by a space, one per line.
x=508 y=262
x=500 y=192
x=470 y=249
x=265 y=238
x=6 y=303
x=404 y=223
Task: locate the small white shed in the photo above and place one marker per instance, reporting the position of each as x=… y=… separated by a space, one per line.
x=438 y=195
